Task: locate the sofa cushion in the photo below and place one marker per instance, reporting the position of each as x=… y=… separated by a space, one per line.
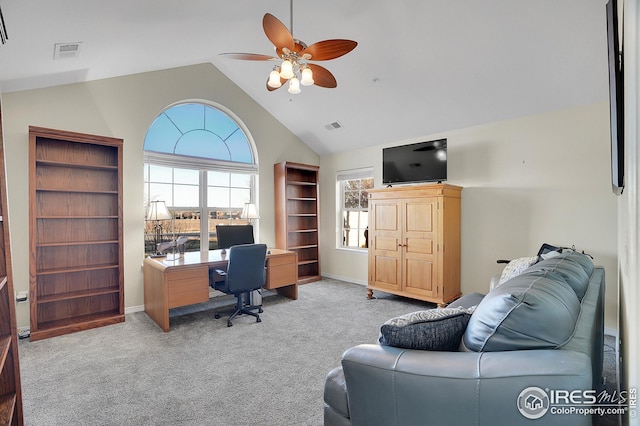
x=516 y=267
x=433 y=329
x=575 y=269
x=536 y=310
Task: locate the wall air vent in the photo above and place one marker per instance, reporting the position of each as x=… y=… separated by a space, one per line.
x=66 y=50
x=333 y=126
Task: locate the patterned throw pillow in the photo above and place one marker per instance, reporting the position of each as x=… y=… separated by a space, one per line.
x=516 y=267
x=433 y=329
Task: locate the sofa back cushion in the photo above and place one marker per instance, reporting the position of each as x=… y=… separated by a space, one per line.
x=535 y=310
x=575 y=269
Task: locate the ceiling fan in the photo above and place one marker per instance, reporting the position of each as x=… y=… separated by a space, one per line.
x=295 y=55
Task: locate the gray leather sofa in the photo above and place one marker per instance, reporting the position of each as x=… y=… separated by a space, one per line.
x=538 y=335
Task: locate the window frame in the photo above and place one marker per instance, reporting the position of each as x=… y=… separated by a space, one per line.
x=203 y=165
x=342 y=177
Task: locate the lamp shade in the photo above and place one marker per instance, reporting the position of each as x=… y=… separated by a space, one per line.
x=158 y=211
x=307 y=77
x=294 y=86
x=274 y=79
x=286 y=70
x=249 y=212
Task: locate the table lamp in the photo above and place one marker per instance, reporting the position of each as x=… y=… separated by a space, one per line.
x=157 y=212
x=249 y=212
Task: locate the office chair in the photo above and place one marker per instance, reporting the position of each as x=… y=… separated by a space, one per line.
x=245 y=273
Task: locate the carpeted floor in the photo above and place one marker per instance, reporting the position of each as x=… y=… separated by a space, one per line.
x=201 y=372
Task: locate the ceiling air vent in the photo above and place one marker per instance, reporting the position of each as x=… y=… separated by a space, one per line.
x=66 y=50
x=333 y=126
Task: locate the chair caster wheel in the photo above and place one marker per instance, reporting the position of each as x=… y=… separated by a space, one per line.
x=217 y=316
x=260 y=310
x=258 y=320
x=229 y=324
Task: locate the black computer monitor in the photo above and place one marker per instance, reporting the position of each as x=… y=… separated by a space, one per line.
x=233 y=235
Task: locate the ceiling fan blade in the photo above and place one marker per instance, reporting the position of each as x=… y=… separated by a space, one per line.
x=277 y=32
x=329 y=49
x=322 y=77
x=249 y=56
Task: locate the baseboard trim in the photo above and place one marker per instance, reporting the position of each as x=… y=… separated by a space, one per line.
x=341 y=278
x=132 y=309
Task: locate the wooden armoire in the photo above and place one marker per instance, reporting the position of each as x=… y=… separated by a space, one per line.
x=414 y=242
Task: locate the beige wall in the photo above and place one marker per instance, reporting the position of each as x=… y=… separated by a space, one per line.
x=124 y=107
x=544 y=178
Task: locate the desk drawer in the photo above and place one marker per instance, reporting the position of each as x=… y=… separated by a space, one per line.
x=282 y=271
x=188 y=286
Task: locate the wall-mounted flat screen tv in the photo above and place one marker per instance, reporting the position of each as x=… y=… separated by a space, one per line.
x=616 y=101
x=417 y=162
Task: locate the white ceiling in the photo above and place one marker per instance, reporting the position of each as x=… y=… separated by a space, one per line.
x=421 y=66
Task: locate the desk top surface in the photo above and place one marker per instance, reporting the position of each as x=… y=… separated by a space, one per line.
x=194 y=258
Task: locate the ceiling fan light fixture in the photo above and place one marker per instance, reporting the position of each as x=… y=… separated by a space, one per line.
x=294 y=86
x=274 y=79
x=307 y=77
x=286 y=70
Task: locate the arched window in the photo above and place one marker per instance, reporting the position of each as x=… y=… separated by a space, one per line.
x=200 y=161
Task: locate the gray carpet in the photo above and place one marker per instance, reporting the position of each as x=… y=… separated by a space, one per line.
x=201 y=372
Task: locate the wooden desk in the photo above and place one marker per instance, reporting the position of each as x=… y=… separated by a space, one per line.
x=185 y=281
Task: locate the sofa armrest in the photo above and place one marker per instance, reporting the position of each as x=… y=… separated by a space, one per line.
x=387 y=385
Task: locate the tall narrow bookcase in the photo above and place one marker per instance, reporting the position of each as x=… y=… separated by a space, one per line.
x=10 y=388
x=297 y=215
x=76 y=253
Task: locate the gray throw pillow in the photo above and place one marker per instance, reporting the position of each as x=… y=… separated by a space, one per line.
x=433 y=329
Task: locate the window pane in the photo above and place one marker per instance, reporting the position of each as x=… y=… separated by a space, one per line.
x=239 y=197
x=351 y=238
x=186 y=176
x=350 y=185
x=241 y=180
x=161 y=192
x=198 y=130
x=351 y=199
x=364 y=220
x=187 y=224
x=218 y=197
x=160 y=173
x=217 y=178
x=366 y=183
x=351 y=219
x=364 y=200
x=186 y=196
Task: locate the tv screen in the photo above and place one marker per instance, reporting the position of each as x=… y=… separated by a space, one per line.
x=616 y=102
x=418 y=162
x=233 y=235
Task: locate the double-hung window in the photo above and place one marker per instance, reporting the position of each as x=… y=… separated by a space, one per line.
x=354 y=207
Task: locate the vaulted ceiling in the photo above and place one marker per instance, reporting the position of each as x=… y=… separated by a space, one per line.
x=421 y=66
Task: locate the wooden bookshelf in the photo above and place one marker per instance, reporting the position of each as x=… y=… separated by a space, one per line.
x=10 y=388
x=297 y=215
x=75 y=189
